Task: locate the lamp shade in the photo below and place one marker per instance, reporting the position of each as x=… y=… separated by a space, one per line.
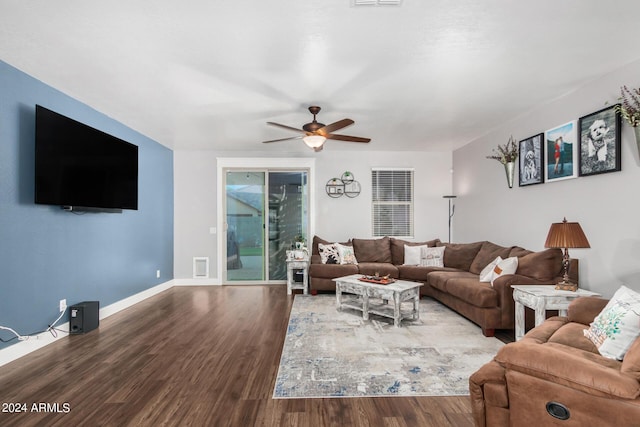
x=566 y=235
x=314 y=141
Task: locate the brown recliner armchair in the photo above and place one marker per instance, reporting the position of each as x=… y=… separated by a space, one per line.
x=555 y=376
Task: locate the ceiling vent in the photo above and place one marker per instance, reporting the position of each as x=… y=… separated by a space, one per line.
x=377 y=2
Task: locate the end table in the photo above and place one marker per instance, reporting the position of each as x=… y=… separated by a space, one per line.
x=542 y=298
x=297 y=264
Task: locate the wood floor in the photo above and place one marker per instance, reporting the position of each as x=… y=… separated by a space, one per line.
x=192 y=356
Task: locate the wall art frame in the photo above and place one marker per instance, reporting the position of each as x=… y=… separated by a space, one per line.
x=531 y=160
x=561 y=147
x=600 y=142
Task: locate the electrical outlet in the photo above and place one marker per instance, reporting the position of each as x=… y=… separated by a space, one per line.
x=157 y=274
x=63 y=305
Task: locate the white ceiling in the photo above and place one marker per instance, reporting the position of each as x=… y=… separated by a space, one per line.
x=209 y=74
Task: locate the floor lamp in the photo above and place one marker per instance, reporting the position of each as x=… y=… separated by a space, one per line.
x=452 y=210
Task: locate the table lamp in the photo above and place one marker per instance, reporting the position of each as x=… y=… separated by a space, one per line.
x=565 y=235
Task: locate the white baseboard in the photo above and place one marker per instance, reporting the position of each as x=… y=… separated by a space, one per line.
x=197 y=282
x=36 y=342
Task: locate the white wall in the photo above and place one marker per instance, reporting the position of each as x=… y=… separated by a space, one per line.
x=194 y=211
x=605 y=205
x=335 y=219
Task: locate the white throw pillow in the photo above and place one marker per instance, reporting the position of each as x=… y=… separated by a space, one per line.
x=618 y=324
x=412 y=254
x=328 y=253
x=487 y=273
x=346 y=254
x=432 y=257
x=506 y=266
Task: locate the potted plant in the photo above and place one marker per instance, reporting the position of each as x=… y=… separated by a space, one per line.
x=507 y=155
x=299 y=241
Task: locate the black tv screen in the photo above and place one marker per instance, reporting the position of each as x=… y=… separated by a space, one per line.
x=79 y=166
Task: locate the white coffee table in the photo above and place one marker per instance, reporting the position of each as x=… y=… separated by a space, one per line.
x=542 y=298
x=395 y=292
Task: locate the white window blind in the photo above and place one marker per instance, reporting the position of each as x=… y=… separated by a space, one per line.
x=392 y=202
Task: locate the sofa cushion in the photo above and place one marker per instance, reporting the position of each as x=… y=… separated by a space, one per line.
x=571 y=335
x=631 y=361
x=331 y=271
x=488 y=252
x=397 y=248
x=543 y=265
x=471 y=291
x=460 y=255
x=519 y=252
x=439 y=279
x=617 y=326
x=418 y=273
x=372 y=250
x=378 y=269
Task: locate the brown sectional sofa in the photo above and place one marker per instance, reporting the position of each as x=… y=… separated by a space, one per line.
x=457 y=284
x=554 y=364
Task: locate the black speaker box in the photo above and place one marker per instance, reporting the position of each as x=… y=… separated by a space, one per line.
x=84 y=317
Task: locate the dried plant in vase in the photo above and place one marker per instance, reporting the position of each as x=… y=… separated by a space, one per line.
x=507 y=155
x=629 y=107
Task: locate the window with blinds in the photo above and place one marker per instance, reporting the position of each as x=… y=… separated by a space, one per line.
x=392 y=202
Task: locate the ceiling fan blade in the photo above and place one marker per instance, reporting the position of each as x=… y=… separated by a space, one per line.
x=335 y=126
x=347 y=138
x=286 y=127
x=282 y=139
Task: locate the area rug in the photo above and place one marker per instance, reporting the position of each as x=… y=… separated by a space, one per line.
x=331 y=353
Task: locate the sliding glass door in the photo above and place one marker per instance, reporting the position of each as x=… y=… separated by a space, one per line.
x=265 y=211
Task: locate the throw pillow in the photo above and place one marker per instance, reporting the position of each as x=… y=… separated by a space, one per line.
x=412 y=254
x=487 y=273
x=618 y=324
x=346 y=254
x=328 y=253
x=432 y=257
x=506 y=266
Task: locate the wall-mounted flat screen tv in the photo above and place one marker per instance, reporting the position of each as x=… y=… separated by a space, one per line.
x=79 y=166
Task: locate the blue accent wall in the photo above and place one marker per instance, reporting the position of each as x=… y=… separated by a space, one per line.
x=47 y=254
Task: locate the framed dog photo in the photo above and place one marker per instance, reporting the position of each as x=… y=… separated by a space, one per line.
x=531 y=155
x=600 y=142
x=562 y=152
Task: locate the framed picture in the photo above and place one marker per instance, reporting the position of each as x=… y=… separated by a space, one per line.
x=600 y=142
x=562 y=152
x=531 y=155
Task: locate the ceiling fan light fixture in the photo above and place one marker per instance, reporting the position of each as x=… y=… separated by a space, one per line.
x=314 y=141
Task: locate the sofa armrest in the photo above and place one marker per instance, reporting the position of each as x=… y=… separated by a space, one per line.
x=585 y=309
x=488 y=393
x=567 y=368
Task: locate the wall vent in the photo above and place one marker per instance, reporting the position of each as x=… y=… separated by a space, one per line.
x=200 y=267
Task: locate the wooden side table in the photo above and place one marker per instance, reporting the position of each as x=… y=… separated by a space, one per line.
x=298 y=264
x=542 y=298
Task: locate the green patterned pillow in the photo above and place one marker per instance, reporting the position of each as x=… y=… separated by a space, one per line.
x=346 y=254
x=618 y=324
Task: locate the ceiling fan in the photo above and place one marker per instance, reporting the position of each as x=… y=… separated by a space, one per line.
x=316 y=133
